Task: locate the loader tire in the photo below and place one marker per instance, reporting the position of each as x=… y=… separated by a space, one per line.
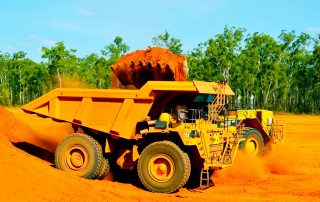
x=79 y=154
x=163 y=167
x=253 y=144
x=105 y=168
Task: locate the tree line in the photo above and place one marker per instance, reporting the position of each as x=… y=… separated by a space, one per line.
x=283 y=73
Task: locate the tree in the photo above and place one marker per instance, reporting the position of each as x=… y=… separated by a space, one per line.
x=198 y=67
x=283 y=75
x=112 y=52
x=60 y=61
x=262 y=52
x=95 y=71
x=295 y=61
x=166 y=41
x=115 y=50
x=4 y=81
x=216 y=58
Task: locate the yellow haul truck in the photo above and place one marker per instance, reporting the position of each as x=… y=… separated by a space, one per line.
x=164 y=129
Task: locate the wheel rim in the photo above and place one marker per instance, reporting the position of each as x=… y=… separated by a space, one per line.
x=77 y=158
x=161 y=168
x=251 y=146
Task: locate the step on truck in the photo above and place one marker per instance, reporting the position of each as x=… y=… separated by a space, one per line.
x=164 y=130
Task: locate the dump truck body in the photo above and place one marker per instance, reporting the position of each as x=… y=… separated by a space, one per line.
x=115 y=112
x=166 y=128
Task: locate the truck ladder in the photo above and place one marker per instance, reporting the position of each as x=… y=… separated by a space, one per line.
x=227 y=155
x=277 y=133
x=204 y=178
x=231 y=147
x=217 y=105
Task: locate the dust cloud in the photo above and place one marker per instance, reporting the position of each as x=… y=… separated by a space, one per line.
x=282 y=160
x=72 y=82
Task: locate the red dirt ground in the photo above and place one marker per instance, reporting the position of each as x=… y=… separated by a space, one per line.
x=290 y=173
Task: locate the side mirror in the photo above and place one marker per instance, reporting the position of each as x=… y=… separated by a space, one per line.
x=182 y=114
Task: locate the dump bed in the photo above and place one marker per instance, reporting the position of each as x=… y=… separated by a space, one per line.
x=113 y=111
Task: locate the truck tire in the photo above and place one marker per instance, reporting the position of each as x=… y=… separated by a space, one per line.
x=253 y=143
x=188 y=170
x=105 y=168
x=163 y=167
x=79 y=154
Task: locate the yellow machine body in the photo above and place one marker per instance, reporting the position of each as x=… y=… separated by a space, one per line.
x=116 y=112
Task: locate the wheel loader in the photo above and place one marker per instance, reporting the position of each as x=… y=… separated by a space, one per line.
x=165 y=130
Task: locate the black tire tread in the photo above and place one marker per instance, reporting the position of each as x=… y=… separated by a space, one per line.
x=96 y=144
x=188 y=170
x=248 y=132
x=185 y=158
x=105 y=168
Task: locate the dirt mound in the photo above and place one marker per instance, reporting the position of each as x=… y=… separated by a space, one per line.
x=27 y=178
x=24 y=128
x=11 y=127
x=135 y=69
x=43 y=133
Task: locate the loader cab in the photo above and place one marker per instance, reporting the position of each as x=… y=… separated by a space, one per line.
x=186 y=109
x=189 y=109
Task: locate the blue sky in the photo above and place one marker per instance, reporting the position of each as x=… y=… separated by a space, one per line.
x=88 y=25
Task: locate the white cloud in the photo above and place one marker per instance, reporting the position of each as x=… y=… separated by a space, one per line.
x=84 y=13
x=313 y=29
x=49 y=42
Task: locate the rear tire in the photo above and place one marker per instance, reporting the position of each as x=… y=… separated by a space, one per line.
x=163 y=167
x=105 y=168
x=79 y=154
x=253 y=144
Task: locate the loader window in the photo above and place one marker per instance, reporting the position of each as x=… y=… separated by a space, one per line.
x=204 y=98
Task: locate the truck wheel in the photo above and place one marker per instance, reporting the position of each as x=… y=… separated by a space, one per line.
x=79 y=154
x=253 y=143
x=105 y=168
x=188 y=169
x=163 y=167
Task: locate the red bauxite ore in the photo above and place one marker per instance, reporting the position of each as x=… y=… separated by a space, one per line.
x=291 y=172
x=135 y=69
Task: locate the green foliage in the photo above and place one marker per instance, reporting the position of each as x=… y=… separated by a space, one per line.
x=166 y=41
x=216 y=58
x=23 y=80
x=115 y=50
x=60 y=61
x=95 y=71
x=283 y=74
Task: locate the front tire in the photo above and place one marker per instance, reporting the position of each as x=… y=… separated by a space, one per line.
x=253 y=144
x=79 y=154
x=163 y=167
